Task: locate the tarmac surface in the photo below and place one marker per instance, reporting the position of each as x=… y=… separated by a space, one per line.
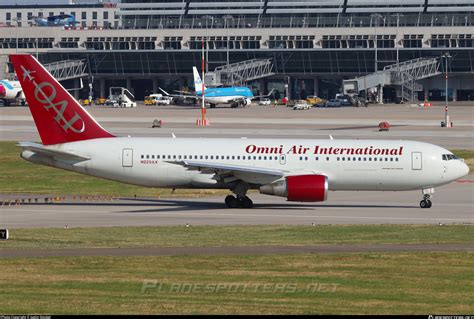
x=452 y=204
x=254 y=250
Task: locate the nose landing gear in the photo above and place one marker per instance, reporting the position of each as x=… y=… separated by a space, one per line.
x=426 y=202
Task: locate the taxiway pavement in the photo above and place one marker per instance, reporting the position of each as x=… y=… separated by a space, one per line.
x=452 y=204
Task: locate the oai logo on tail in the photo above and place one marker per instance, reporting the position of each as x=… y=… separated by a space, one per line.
x=59 y=108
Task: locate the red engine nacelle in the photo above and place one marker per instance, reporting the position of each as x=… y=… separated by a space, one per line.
x=3 y=91
x=299 y=188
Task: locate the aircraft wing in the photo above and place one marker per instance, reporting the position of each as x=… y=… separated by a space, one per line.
x=229 y=173
x=43 y=151
x=266 y=95
x=183 y=94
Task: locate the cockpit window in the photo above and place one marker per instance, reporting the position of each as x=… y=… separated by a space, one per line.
x=448 y=157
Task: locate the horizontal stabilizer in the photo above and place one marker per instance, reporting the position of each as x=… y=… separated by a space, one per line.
x=40 y=149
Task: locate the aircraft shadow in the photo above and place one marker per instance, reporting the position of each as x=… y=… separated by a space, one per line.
x=177 y=205
x=276 y=205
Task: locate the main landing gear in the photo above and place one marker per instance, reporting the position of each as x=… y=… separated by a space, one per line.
x=238 y=202
x=426 y=202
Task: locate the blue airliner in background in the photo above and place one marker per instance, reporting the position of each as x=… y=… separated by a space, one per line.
x=65 y=20
x=235 y=96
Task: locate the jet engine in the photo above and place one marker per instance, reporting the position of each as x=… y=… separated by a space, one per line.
x=3 y=91
x=299 y=188
x=247 y=101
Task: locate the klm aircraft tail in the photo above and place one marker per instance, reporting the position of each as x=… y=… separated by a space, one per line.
x=197 y=81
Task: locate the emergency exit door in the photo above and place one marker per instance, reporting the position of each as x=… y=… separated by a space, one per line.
x=416 y=160
x=127 y=157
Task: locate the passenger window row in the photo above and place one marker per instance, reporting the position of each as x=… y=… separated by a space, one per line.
x=270 y=158
x=209 y=157
x=355 y=159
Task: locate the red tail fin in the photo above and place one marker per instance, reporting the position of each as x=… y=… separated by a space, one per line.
x=59 y=118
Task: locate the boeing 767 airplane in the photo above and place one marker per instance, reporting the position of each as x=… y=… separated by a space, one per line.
x=301 y=170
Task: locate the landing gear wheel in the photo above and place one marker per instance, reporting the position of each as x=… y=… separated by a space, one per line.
x=212 y=106
x=231 y=201
x=228 y=199
x=424 y=203
x=245 y=202
x=429 y=203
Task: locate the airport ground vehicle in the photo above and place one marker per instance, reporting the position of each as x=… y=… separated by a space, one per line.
x=301 y=105
x=314 y=100
x=333 y=103
x=100 y=101
x=357 y=101
x=157 y=99
x=121 y=97
x=343 y=98
x=148 y=101
x=264 y=101
x=298 y=169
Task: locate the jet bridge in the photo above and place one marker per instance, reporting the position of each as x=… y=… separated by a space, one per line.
x=402 y=75
x=61 y=70
x=240 y=72
x=67 y=69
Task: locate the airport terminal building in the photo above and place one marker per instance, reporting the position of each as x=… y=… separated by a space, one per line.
x=312 y=45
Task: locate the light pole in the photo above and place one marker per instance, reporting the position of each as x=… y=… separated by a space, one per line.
x=447 y=123
x=207 y=17
x=16 y=20
x=36 y=27
x=287 y=87
x=398 y=15
x=376 y=16
x=226 y=17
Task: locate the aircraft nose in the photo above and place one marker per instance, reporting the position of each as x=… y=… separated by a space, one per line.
x=464 y=169
x=3 y=91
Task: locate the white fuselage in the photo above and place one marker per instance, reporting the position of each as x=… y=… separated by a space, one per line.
x=155 y=162
x=222 y=99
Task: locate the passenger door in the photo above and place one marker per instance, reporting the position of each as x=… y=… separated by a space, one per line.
x=127 y=157
x=416 y=161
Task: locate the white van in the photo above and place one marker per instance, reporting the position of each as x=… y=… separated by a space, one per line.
x=159 y=99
